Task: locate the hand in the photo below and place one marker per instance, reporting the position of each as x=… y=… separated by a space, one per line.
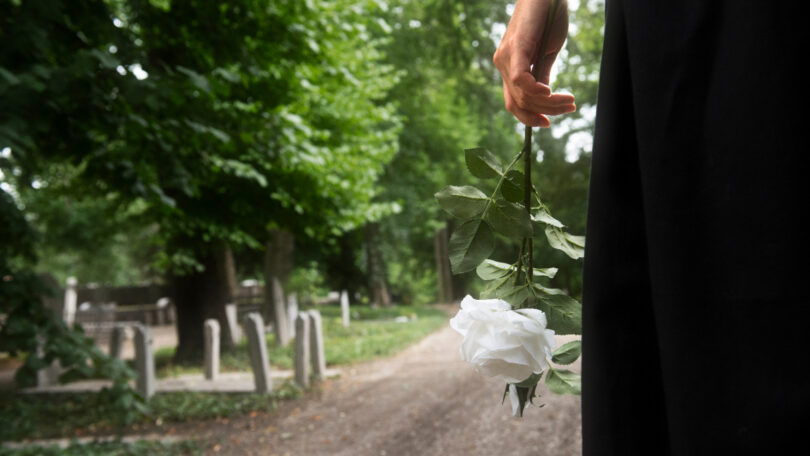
x=528 y=99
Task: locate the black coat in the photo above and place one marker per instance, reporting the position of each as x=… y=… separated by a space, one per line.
x=696 y=318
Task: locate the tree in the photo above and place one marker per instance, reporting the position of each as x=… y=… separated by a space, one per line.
x=222 y=120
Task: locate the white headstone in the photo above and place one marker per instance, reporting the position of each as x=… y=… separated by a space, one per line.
x=316 y=345
x=281 y=326
x=162 y=313
x=69 y=309
x=117 y=338
x=344 y=307
x=211 y=330
x=233 y=323
x=49 y=375
x=302 y=349
x=257 y=345
x=292 y=311
x=144 y=361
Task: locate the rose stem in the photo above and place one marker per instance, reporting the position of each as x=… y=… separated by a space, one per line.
x=528 y=156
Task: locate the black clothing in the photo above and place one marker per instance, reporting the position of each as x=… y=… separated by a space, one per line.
x=696 y=306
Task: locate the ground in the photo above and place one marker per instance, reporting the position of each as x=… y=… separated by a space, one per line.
x=424 y=401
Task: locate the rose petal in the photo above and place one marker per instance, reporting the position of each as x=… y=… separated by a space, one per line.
x=499 y=342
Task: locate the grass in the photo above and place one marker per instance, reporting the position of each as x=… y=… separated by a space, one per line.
x=373 y=333
x=140 y=448
x=41 y=416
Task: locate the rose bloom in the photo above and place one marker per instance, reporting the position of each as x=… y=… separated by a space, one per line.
x=501 y=342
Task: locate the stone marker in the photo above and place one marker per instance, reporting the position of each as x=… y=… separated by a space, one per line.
x=316 y=345
x=144 y=361
x=292 y=311
x=234 y=331
x=281 y=325
x=302 y=349
x=162 y=305
x=117 y=338
x=69 y=307
x=344 y=307
x=211 y=330
x=49 y=375
x=254 y=326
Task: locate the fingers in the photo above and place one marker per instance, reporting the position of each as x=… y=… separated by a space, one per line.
x=531 y=104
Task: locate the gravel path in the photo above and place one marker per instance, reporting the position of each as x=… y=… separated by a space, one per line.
x=424 y=401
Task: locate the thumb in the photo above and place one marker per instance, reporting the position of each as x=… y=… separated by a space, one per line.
x=543 y=73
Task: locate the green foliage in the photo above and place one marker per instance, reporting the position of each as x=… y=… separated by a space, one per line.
x=29 y=416
x=563 y=381
x=139 y=448
x=462 y=202
x=568 y=353
x=187 y=406
x=471 y=243
x=249 y=116
x=29 y=329
x=482 y=164
x=307 y=282
x=447 y=99
x=564 y=313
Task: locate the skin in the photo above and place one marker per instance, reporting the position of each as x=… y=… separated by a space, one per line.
x=529 y=100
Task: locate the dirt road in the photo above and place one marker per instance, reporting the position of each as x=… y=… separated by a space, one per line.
x=424 y=401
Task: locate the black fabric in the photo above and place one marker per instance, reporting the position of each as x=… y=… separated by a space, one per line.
x=696 y=304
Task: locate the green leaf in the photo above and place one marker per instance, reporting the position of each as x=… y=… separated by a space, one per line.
x=482 y=164
x=563 y=312
x=470 y=244
x=492 y=287
x=513 y=186
x=568 y=353
x=509 y=219
x=462 y=202
x=196 y=79
x=545 y=272
x=563 y=382
x=491 y=269
x=515 y=296
x=542 y=216
x=573 y=246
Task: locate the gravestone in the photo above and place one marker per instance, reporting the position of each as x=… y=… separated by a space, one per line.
x=257 y=346
x=281 y=325
x=316 y=345
x=144 y=361
x=211 y=330
x=302 y=349
x=232 y=318
x=117 y=338
x=344 y=307
x=162 y=305
x=292 y=311
x=71 y=298
x=49 y=375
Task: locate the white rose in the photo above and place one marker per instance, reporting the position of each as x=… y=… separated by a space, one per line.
x=503 y=343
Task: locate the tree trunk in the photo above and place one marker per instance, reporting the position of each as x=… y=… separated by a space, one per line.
x=375 y=268
x=445 y=276
x=277 y=267
x=200 y=295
